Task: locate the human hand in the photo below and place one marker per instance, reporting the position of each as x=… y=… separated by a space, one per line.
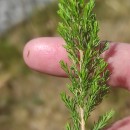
x=44 y=54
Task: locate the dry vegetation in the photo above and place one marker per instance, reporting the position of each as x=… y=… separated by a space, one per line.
x=29 y=100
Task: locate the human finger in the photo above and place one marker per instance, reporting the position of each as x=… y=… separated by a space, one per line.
x=118 y=59
x=123 y=124
x=44 y=55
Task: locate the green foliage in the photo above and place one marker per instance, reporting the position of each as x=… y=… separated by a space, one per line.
x=103 y=120
x=79 y=29
x=8 y=54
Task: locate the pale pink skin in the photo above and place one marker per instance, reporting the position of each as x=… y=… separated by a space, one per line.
x=44 y=55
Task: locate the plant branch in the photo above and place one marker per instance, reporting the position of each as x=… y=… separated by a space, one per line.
x=81 y=109
x=82 y=118
x=79 y=29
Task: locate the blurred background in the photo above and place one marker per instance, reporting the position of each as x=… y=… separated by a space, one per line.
x=30 y=100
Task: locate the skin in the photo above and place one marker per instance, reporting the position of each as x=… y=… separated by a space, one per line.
x=44 y=54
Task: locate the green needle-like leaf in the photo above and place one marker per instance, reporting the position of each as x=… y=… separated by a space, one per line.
x=87 y=72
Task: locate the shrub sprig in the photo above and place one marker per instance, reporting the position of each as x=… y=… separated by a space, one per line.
x=87 y=73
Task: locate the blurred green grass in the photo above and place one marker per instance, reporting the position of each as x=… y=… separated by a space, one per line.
x=29 y=100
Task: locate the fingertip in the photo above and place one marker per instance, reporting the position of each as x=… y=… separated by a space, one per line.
x=30 y=49
x=44 y=55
